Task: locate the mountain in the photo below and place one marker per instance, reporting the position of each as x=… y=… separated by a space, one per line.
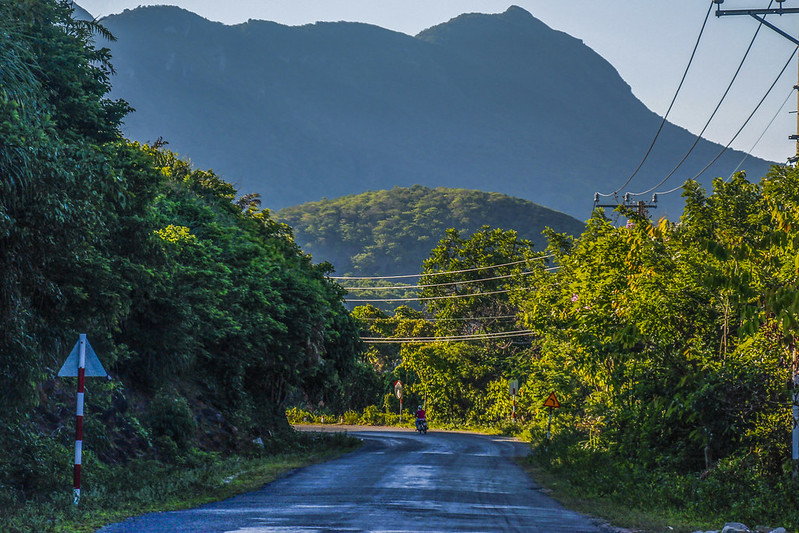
x=393 y=231
x=78 y=13
x=499 y=103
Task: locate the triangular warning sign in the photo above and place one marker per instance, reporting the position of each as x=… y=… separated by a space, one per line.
x=94 y=368
x=552 y=401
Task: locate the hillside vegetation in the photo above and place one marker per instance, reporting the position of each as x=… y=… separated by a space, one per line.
x=392 y=231
x=203 y=309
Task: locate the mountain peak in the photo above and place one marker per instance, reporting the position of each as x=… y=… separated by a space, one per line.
x=514 y=22
x=78 y=13
x=518 y=12
x=163 y=14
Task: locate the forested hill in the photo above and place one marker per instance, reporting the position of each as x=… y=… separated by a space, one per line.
x=392 y=231
x=500 y=103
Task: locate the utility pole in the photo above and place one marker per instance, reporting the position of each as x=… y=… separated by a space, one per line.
x=760 y=16
x=640 y=207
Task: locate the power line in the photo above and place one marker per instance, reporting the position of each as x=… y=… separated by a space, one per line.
x=424 y=286
x=750 y=114
x=470 y=295
x=457 y=319
x=712 y=115
x=760 y=103
x=427 y=285
x=671 y=105
x=478 y=336
x=746 y=156
x=441 y=273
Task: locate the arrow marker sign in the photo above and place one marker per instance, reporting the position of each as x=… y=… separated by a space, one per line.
x=552 y=401
x=94 y=368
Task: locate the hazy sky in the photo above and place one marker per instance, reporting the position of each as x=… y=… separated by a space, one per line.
x=648 y=41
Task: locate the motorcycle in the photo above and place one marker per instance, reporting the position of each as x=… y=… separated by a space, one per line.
x=421 y=425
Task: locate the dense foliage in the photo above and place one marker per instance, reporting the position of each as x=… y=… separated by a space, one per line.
x=391 y=232
x=205 y=312
x=466 y=292
x=671 y=346
x=674 y=343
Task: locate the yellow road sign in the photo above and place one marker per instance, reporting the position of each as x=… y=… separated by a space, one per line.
x=552 y=401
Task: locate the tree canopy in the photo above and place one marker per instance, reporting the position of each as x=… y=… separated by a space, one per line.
x=389 y=232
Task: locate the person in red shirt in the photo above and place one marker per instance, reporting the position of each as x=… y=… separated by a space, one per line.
x=420 y=416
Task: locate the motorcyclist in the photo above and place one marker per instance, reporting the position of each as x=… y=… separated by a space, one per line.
x=420 y=416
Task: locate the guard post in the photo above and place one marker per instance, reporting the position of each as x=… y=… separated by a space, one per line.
x=82 y=362
x=514 y=388
x=398 y=393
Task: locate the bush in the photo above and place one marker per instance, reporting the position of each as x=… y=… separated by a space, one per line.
x=351 y=418
x=295 y=415
x=372 y=416
x=170 y=416
x=33 y=465
x=733 y=487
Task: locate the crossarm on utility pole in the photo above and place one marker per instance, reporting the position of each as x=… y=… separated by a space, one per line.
x=759 y=15
x=771 y=26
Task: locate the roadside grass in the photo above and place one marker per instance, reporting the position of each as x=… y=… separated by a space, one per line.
x=653 y=500
x=113 y=493
x=610 y=508
x=374 y=418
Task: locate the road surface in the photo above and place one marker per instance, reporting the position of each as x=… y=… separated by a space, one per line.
x=399 y=481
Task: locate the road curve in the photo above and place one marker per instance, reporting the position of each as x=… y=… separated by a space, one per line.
x=399 y=481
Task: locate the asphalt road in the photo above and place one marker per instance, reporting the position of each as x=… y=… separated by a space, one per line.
x=399 y=481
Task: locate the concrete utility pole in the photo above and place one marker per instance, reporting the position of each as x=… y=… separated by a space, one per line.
x=759 y=15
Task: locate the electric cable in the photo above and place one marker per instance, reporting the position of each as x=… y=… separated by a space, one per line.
x=671 y=105
x=445 y=272
x=757 y=107
x=477 y=336
x=470 y=295
x=458 y=319
x=790 y=59
x=425 y=286
x=768 y=126
x=712 y=115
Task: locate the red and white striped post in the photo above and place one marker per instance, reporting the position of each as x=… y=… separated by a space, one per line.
x=398 y=393
x=79 y=416
x=514 y=387
x=513 y=412
x=82 y=363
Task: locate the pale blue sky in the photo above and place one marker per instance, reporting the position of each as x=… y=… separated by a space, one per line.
x=648 y=41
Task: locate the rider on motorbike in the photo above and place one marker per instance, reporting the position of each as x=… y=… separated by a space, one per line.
x=421 y=417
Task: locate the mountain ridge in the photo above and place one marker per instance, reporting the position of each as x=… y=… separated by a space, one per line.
x=500 y=103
